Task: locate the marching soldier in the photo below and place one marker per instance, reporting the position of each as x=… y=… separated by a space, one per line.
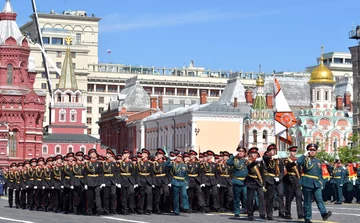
x=23 y=187
x=312 y=183
x=211 y=181
x=94 y=179
x=11 y=184
x=226 y=185
x=57 y=183
x=68 y=181
x=110 y=181
x=179 y=182
x=292 y=184
x=254 y=183
x=47 y=184
x=326 y=192
x=18 y=184
x=79 y=184
x=162 y=183
x=31 y=183
x=128 y=183
x=274 y=172
x=145 y=176
x=337 y=181
x=237 y=162
x=196 y=180
x=39 y=183
x=6 y=179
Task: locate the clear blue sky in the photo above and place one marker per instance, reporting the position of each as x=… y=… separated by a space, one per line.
x=217 y=34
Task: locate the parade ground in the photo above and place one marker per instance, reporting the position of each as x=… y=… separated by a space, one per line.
x=341 y=213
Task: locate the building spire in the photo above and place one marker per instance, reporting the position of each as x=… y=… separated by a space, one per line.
x=68 y=78
x=8 y=8
x=322 y=55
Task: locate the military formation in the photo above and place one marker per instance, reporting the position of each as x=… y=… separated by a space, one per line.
x=242 y=182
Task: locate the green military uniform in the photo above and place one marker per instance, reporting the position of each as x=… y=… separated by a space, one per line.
x=312 y=184
x=240 y=172
x=337 y=181
x=179 y=183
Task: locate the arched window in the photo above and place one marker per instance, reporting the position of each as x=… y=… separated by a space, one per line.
x=70 y=149
x=57 y=149
x=83 y=149
x=73 y=115
x=264 y=136
x=69 y=96
x=62 y=115
x=326 y=95
x=59 y=98
x=13 y=139
x=45 y=149
x=317 y=95
x=255 y=136
x=10 y=74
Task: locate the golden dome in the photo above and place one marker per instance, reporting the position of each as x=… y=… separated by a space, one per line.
x=321 y=74
x=260 y=81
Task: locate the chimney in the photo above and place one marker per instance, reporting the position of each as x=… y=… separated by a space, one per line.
x=347 y=101
x=339 y=102
x=203 y=97
x=248 y=96
x=153 y=103
x=269 y=101
x=235 y=102
x=161 y=102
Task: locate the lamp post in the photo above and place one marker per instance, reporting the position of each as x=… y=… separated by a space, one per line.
x=336 y=156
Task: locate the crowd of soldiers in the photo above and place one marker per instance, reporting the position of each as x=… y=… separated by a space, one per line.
x=120 y=184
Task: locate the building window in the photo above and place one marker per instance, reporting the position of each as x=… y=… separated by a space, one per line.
x=348 y=61
x=58 y=64
x=83 y=149
x=171 y=101
x=255 y=136
x=74 y=65
x=62 y=113
x=58 y=54
x=89 y=110
x=46 y=40
x=317 y=95
x=264 y=136
x=73 y=54
x=78 y=38
x=338 y=60
x=326 y=95
x=57 y=76
x=101 y=99
x=57 y=41
x=89 y=131
x=72 y=116
x=43 y=75
x=88 y=121
x=44 y=149
x=9 y=74
x=43 y=85
x=101 y=110
x=89 y=99
x=70 y=149
x=58 y=150
x=13 y=139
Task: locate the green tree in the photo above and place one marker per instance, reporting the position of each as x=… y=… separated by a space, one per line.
x=352 y=153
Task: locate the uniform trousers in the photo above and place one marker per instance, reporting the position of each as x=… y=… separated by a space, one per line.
x=308 y=195
x=109 y=199
x=176 y=198
x=269 y=197
x=145 y=192
x=164 y=192
x=30 y=198
x=79 y=199
x=250 y=200
x=195 y=190
x=46 y=198
x=211 y=190
x=239 y=190
x=55 y=200
x=226 y=194
x=127 y=199
x=290 y=192
x=38 y=198
x=91 y=193
x=67 y=199
x=17 y=198
x=338 y=192
x=23 y=198
x=10 y=197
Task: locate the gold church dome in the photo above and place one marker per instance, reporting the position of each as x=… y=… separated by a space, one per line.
x=260 y=81
x=321 y=74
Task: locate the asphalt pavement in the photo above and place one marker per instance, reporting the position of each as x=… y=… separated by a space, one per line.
x=341 y=213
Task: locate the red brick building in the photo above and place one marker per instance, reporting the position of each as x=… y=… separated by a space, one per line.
x=133 y=103
x=21 y=107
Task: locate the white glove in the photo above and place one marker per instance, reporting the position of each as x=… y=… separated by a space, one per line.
x=344 y=168
x=14 y=189
x=8 y=188
x=275 y=157
x=202 y=185
x=277 y=179
x=172 y=158
x=43 y=187
x=306 y=153
x=259 y=159
x=135 y=186
x=118 y=185
x=102 y=185
x=62 y=187
x=26 y=186
x=22 y=189
x=153 y=186
x=187 y=187
x=218 y=185
x=72 y=187
x=86 y=187
x=354 y=182
x=35 y=187
x=341 y=185
x=169 y=185
x=326 y=162
x=235 y=153
x=52 y=188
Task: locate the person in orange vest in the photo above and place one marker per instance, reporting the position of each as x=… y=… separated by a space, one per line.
x=327 y=191
x=348 y=189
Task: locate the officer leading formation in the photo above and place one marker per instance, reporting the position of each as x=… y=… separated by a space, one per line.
x=242 y=182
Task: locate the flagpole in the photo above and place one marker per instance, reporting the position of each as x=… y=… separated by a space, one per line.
x=274 y=111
